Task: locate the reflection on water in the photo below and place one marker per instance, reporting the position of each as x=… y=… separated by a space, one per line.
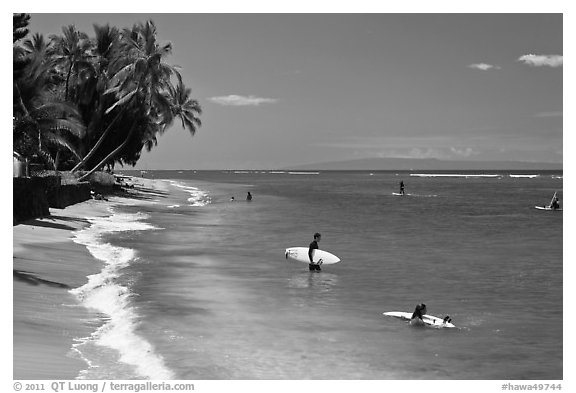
x=319 y=288
x=321 y=282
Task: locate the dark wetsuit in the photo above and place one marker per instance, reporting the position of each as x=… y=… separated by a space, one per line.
x=402 y=187
x=418 y=311
x=313 y=246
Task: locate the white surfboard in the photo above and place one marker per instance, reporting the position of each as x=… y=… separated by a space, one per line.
x=300 y=254
x=547 y=208
x=429 y=320
x=398 y=194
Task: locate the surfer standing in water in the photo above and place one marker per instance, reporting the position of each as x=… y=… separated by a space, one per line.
x=401 y=187
x=314 y=246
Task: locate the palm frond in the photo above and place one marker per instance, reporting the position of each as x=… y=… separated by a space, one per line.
x=60 y=125
x=58 y=140
x=122 y=101
x=60 y=107
x=121 y=75
x=47 y=158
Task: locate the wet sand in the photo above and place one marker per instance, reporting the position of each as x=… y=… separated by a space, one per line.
x=46 y=265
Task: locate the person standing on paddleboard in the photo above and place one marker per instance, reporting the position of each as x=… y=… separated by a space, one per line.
x=401 y=187
x=314 y=246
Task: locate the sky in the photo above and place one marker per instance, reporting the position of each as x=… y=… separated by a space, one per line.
x=287 y=89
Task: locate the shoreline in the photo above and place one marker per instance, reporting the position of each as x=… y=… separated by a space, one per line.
x=47 y=264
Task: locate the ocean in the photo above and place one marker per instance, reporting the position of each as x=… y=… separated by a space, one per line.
x=196 y=286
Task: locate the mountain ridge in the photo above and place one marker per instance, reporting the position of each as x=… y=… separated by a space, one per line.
x=425 y=164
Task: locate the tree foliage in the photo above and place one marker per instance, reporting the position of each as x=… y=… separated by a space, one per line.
x=97 y=100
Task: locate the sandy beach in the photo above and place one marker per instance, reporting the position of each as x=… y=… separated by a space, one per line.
x=46 y=265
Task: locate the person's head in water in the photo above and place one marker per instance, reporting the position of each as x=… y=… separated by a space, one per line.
x=317 y=236
x=419 y=311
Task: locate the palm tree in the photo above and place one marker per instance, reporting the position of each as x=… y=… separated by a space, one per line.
x=38 y=114
x=105 y=44
x=72 y=52
x=142 y=70
x=19 y=26
x=140 y=82
x=56 y=125
x=184 y=107
x=91 y=94
x=38 y=47
x=53 y=123
x=19 y=56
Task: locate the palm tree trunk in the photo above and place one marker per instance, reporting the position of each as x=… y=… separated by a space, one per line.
x=97 y=145
x=20 y=102
x=57 y=160
x=68 y=79
x=111 y=155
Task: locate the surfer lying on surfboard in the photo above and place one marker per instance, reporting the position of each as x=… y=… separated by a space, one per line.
x=417 y=315
x=420 y=318
x=419 y=312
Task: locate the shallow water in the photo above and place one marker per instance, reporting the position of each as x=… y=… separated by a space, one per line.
x=214 y=297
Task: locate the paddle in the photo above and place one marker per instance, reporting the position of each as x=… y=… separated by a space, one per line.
x=552 y=200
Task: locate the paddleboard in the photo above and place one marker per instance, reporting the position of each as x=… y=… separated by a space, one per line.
x=300 y=254
x=547 y=208
x=415 y=195
x=429 y=320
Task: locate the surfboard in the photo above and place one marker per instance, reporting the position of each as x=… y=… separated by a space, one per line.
x=300 y=254
x=429 y=320
x=547 y=208
x=398 y=194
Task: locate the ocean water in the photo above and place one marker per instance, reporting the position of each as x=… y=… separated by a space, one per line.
x=196 y=286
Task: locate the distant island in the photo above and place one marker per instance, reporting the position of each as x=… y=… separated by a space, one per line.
x=406 y=164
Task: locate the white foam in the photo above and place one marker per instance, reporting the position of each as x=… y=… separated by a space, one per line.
x=450 y=175
x=104 y=294
x=197 y=197
x=525 y=176
x=303 y=173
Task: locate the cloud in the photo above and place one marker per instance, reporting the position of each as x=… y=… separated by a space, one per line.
x=464 y=152
x=425 y=152
x=483 y=66
x=542 y=60
x=236 y=100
